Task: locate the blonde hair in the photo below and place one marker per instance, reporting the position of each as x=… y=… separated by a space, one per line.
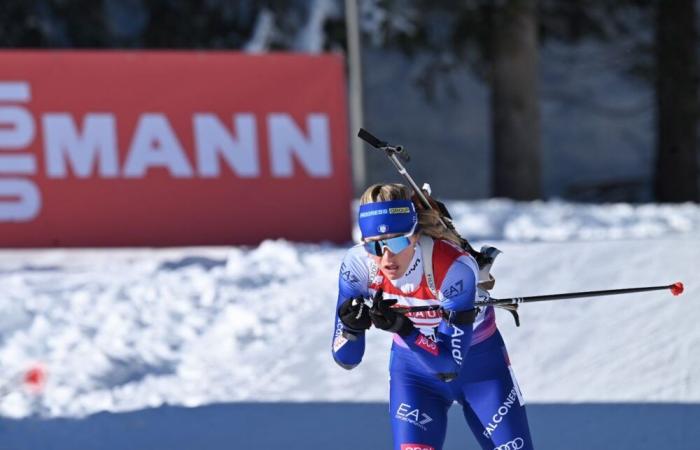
x=429 y=222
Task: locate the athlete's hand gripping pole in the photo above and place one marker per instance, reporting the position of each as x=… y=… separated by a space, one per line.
x=385 y=317
x=354 y=314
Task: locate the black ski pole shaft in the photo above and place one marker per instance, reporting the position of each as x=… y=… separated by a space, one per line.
x=676 y=289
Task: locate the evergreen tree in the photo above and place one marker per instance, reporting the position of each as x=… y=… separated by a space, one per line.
x=677 y=102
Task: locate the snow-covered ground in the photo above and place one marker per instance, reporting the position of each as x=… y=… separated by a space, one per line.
x=128 y=329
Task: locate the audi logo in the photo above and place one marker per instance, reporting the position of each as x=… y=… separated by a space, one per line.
x=515 y=444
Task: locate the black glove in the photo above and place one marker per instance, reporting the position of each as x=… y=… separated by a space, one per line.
x=355 y=314
x=384 y=318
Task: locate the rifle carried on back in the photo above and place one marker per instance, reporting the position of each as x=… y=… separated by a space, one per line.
x=487 y=255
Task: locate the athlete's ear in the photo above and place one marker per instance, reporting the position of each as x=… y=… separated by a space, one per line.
x=414 y=238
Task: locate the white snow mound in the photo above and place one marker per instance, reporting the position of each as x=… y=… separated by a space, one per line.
x=127 y=329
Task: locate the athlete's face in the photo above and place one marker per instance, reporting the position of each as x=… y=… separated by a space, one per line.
x=394 y=265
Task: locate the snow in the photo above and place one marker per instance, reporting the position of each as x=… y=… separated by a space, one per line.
x=310 y=38
x=307 y=37
x=127 y=329
x=263 y=33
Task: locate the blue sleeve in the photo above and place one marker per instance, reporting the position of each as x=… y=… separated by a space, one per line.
x=445 y=354
x=352 y=282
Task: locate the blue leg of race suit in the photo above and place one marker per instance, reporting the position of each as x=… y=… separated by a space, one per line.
x=491 y=401
x=418 y=406
x=494 y=409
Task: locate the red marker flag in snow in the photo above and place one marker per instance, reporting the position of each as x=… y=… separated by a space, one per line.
x=35 y=378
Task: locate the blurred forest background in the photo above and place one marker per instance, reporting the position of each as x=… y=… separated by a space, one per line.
x=526 y=99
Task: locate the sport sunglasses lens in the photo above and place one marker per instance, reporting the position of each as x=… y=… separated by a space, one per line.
x=396 y=245
x=373 y=248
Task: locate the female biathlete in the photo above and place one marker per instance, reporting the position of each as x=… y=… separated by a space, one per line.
x=410 y=258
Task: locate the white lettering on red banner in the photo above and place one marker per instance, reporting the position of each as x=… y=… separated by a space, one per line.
x=20 y=199
x=199 y=146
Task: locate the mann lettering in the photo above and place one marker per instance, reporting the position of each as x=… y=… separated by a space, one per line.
x=215 y=142
x=96 y=145
x=88 y=146
x=289 y=143
x=82 y=147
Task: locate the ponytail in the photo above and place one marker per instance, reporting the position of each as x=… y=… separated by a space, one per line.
x=429 y=222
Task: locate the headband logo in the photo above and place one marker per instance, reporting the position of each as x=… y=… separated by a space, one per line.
x=382 y=228
x=376 y=212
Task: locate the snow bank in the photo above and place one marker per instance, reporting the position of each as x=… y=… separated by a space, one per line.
x=127 y=329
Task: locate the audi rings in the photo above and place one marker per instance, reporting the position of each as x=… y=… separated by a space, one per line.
x=516 y=444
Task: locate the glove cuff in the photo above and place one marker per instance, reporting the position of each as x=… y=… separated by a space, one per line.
x=350 y=329
x=352 y=335
x=403 y=326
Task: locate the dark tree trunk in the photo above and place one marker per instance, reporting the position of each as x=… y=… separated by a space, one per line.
x=515 y=109
x=677 y=103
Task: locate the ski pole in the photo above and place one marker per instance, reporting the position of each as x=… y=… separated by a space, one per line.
x=675 y=288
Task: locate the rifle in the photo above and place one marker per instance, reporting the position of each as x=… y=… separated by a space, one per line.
x=487 y=255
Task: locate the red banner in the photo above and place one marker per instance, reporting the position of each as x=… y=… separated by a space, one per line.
x=171 y=148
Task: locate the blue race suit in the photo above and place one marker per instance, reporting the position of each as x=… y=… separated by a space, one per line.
x=475 y=354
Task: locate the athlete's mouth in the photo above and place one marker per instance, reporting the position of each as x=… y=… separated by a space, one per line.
x=391 y=267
